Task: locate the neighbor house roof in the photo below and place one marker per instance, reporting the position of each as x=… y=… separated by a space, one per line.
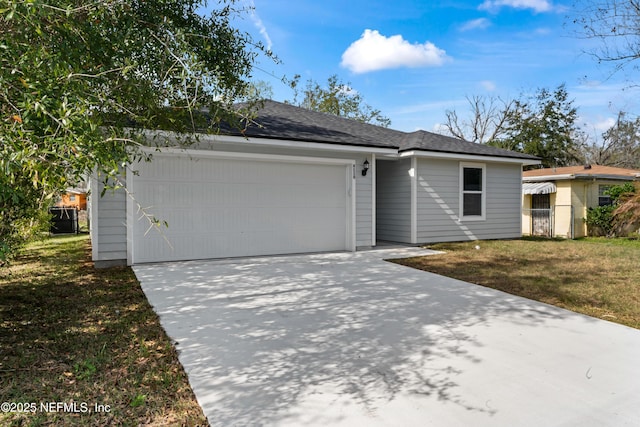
x=581 y=172
x=275 y=120
x=76 y=190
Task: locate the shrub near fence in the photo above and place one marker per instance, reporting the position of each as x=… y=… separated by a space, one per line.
x=619 y=218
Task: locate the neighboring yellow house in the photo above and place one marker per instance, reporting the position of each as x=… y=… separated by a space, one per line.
x=555 y=200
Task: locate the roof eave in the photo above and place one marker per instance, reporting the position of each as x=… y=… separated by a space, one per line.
x=288 y=143
x=563 y=177
x=606 y=176
x=464 y=156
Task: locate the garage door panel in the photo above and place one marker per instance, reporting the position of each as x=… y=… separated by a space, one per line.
x=236 y=207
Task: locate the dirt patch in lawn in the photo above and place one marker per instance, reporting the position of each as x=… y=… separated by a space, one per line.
x=597 y=277
x=80 y=346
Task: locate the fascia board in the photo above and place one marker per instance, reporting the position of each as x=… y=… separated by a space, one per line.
x=604 y=176
x=468 y=157
x=283 y=143
x=298 y=144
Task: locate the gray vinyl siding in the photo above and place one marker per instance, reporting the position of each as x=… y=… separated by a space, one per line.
x=110 y=226
x=393 y=201
x=364 y=205
x=504 y=206
x=438 y=200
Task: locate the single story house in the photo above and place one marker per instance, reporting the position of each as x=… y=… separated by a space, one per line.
x=300 y=181
x=555 y=200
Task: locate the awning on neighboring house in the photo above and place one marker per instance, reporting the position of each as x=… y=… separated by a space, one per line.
x=538 y=188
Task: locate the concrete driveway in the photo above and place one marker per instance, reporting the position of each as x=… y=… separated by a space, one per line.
x=349 y=339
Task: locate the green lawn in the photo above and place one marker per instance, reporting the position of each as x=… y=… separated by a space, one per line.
x=596 y=276
x=72 y=334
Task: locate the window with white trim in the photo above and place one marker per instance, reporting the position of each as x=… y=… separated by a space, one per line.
x=472 y=191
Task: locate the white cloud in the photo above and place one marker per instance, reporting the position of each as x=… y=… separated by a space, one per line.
x=475 y=24
x=537 y=5
x=488 y=85
x=603 y=125
x=259 y=24
x=373 y=51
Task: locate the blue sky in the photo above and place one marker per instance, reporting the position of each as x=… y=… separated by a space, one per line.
x=414 y=60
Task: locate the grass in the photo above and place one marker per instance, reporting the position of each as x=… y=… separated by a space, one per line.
x=71 y=333
x=596 y=276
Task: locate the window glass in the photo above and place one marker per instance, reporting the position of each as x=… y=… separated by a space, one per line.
x=603 y=198
x=472 y=179
x=472 y=189
x=472 y=204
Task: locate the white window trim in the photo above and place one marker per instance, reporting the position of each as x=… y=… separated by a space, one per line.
x=461 y=215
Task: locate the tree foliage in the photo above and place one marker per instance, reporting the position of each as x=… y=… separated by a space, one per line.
x=258 y=91
x=614 y=219
x=336 y=98
x=543 y=125
x=75 y=76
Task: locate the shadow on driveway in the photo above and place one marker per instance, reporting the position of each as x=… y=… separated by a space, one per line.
x=349 y=339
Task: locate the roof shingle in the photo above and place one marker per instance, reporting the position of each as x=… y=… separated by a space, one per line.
x=276 y=120
x=590 y=170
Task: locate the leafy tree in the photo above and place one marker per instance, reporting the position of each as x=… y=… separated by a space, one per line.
x=76 y=76
x=612 y=219
x=337 y=98
x=543 y=125
x=486 y=121
x=258 y=91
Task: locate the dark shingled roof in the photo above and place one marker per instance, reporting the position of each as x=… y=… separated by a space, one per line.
x=275 y=120
x=429 y=141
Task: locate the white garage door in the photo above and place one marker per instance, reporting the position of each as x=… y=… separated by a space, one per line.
x=227 y=207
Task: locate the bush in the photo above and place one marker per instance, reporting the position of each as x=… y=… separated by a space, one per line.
x=619 y=191
x=613 y=220
x=599 y=220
